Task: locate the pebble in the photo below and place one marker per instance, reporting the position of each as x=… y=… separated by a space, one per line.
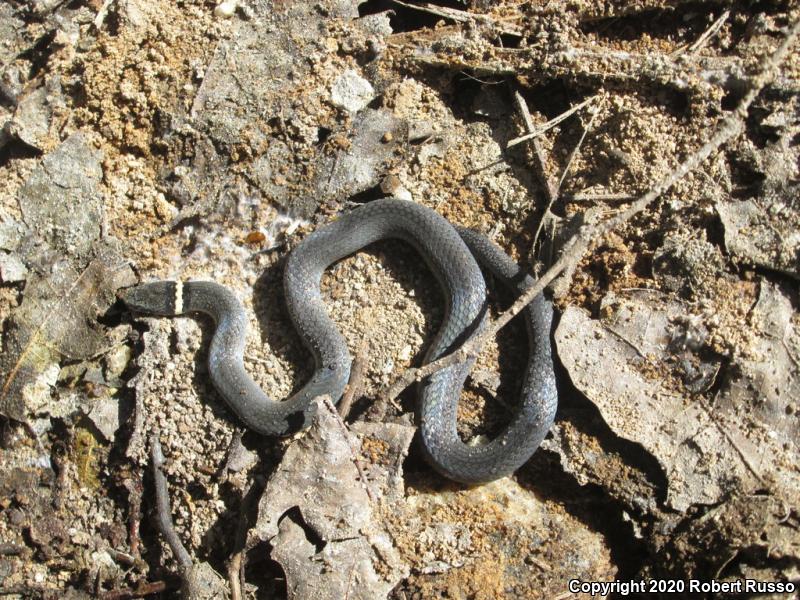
x=225 y=10
x=117 y=359
x=351 y=92
x=12 y=269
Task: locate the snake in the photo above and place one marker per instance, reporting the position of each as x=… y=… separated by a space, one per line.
x=454 y=255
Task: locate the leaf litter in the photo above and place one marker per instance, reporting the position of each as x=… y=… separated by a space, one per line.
x=172 y=134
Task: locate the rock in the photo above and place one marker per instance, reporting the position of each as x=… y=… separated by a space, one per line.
x=351 y=92
x=61 y=199
x=12 y=269
x=105 y=416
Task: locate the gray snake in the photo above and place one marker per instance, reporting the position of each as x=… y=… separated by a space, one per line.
x=450 y=254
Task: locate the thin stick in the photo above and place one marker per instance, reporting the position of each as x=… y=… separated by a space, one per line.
x=144 y=589
x=459 y=16
x=538 y=152
x=577 y=148
x=609 y=197
x=548 y=209
x=163 y=511
x=237 y=562
x=356 y=383
x=348 y=435
x=707 y=34
x=550 y=124
x=134 y=486
x=588 y=236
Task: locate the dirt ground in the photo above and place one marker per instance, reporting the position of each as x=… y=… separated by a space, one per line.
x=187 y=139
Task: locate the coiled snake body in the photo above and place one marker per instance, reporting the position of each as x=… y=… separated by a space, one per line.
x=450 y=254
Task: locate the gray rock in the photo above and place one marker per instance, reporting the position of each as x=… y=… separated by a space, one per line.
x=61 y=201
x=105 y=416
x=351 y=92
x=12 y=269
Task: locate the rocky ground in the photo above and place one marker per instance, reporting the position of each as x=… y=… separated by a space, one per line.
x=193 y=140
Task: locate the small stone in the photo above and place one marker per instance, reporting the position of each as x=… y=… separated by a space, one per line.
x=419 y=131
x=164 y=210
x=116 y=360
x=351 y=92
x=12 y=269
x=390 y=184
x=225 y=10
x=403 y=194
x=105 y=416
x=387 y=137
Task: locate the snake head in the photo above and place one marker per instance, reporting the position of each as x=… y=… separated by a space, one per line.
x=156 y=298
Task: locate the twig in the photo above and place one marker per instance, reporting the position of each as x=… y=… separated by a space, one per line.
x=609 y=197
x=707 y=35
x=24 y=591
x=589 y=236
x=235 y=574
x=538 y=152
x=536 y=132
x=134 y=486
x=356 y=383
x=548 y=209
x=145 y=589
x=577 y=148
x=198 y=580
x=327 y=401
x=350 y=580
x=122 y=558
x=237 y=561
x=163 y=511
x=459 y=16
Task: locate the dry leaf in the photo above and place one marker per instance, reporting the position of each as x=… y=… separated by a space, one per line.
x=57 y=320
x=322 y=520
x=705 y=453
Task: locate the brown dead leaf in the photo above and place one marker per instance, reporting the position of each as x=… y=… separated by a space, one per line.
x=706 y=453
x=57 y=320
x=322 y=519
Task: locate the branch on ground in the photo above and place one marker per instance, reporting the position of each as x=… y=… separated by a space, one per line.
x=589 y=236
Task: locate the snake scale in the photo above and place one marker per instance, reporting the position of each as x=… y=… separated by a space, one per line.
x=451 y=255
